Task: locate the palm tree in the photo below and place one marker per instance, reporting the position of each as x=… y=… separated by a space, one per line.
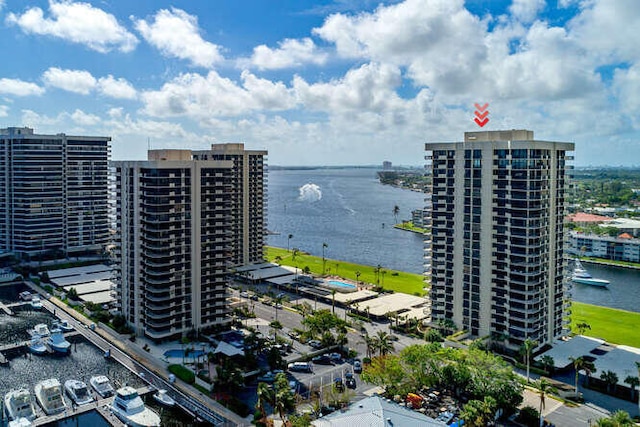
x=289 y=237
x=582 y=327
x=638 y=368
x=265 y=396
x=548 y=364
x=396 y=211
x=358 y=276
x=579 y=364
x=324 y=246
x=610 y=378
x=527 y=346
x=544 y=387
x=479 y=413
x=633 y=383
x=617 y=419
x=333 y=301
x=383 y=343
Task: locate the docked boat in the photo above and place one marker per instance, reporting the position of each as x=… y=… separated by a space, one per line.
x=63 y=325
x=36 y=303
x=41 y=330
x=25 y=296
x=49 y=396
x=102 y=386
x=59 y=343
x=130 y=409
x=20 y=422
x=77 y=392
x=163 y=398
x=581 y=275
x=37 y=345
x=18 y=404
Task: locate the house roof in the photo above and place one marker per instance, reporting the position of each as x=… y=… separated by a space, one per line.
x=585 y=217
x=625 y=236
x=228 y=350
x=375 y=411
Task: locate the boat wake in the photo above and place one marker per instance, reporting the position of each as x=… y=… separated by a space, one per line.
x=310 y=193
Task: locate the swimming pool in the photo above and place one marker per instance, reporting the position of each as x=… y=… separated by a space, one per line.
x=178 y=352
x=340 y=284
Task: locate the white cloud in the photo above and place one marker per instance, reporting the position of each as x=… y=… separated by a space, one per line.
x=4 y=110
x=176 y=34
x=78 y=23
x=19 y=87
x=197 y=96
x=626 y=86
x=527 y=10
x=84 y=119
x=116 y=88
x=291 y=53
x=77 y=81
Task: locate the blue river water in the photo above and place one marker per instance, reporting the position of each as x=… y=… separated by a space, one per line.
x=350 y=211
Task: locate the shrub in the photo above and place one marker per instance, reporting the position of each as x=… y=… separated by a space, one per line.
x=529 y=416
x=183 y=373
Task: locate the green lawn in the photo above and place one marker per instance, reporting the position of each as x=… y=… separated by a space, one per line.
x=610 y=324
x=398 y=281
x=408 y=225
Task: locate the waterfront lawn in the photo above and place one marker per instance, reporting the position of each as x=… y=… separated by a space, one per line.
x=610 y=324
x=408 y=225
x=397 y=281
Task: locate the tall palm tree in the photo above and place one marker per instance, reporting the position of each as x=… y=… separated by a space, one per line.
x=333 y=301
x=265 y=397
x=544 y=387
x=610 y=378
x=324 y=262
x=527 y=346
x=579 y=364
x=633 y=383
x=548 y=364
x=396 y=211
x=289 y=237
x=358 y=276
x=383 y=343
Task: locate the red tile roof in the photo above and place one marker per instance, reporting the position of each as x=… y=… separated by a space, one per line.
x=585 y=217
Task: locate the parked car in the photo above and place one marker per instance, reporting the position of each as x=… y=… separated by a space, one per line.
x=335 y=357
x=357 y=366
x=322 y=359
x=293 y=334
x=254 y=297
x=244 y=294
x=299 y=367
x=349 y=380
x=315 y=344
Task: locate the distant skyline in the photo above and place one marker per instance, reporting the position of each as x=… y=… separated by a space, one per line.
x=343 y=82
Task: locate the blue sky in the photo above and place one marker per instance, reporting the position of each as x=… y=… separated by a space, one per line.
x=331 y=82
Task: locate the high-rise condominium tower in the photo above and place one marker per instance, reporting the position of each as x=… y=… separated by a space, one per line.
x=248 y=199
x=53 y=193
x=497 y=243
x=173 y=244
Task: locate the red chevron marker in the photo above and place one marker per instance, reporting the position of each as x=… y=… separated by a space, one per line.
x=481 y=123
x=481 y=118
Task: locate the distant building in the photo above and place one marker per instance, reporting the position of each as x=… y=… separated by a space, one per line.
x=386 y=165
x=621 y=248
x=496 y=252
x=175 y=218
x=248 y=199
x=53 y=193
x=417 y=218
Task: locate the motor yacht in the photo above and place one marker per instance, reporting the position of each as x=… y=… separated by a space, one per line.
x=102 y=386
x=36 y=303
x=163 y=398
x=63 y=325
x=77 y=392
x=19 y=404
x=38 y=346
x=41 y=329
x=581 y=275
x=49 y=396
x=130 y=409
x=58 y=343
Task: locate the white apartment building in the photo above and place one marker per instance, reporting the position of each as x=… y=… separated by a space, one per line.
x=53 y=193
x=496 y=253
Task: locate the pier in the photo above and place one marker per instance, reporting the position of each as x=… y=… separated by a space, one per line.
x=6 y=309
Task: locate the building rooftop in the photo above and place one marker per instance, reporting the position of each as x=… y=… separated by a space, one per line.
x=586 y=217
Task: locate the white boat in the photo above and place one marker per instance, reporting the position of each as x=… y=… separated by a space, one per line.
x=25 y=296
x=581 y=275
x=78 y=392
x=63 y=325
x=101 y=385
x=58 y=343
x=36 y=303
x=130 y=409
x=20 y=422
x=18 y=404
x=37 y=345
x=164 y=399
x=49 y=396
x=41 y=330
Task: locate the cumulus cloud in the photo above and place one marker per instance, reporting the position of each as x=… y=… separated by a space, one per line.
x=77 y=81
x=116 y=88
x=4 y=110
x=18 y=87
x=527 y=10
x=200 y=96
x=77 y=22
x=85 y=119
x=290 y=53
x=177 y=34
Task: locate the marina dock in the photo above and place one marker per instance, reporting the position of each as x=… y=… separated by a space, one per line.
x=6 y=309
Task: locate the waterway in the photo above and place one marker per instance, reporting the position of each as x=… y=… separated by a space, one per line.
x=84 y=361
x=346 y=208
